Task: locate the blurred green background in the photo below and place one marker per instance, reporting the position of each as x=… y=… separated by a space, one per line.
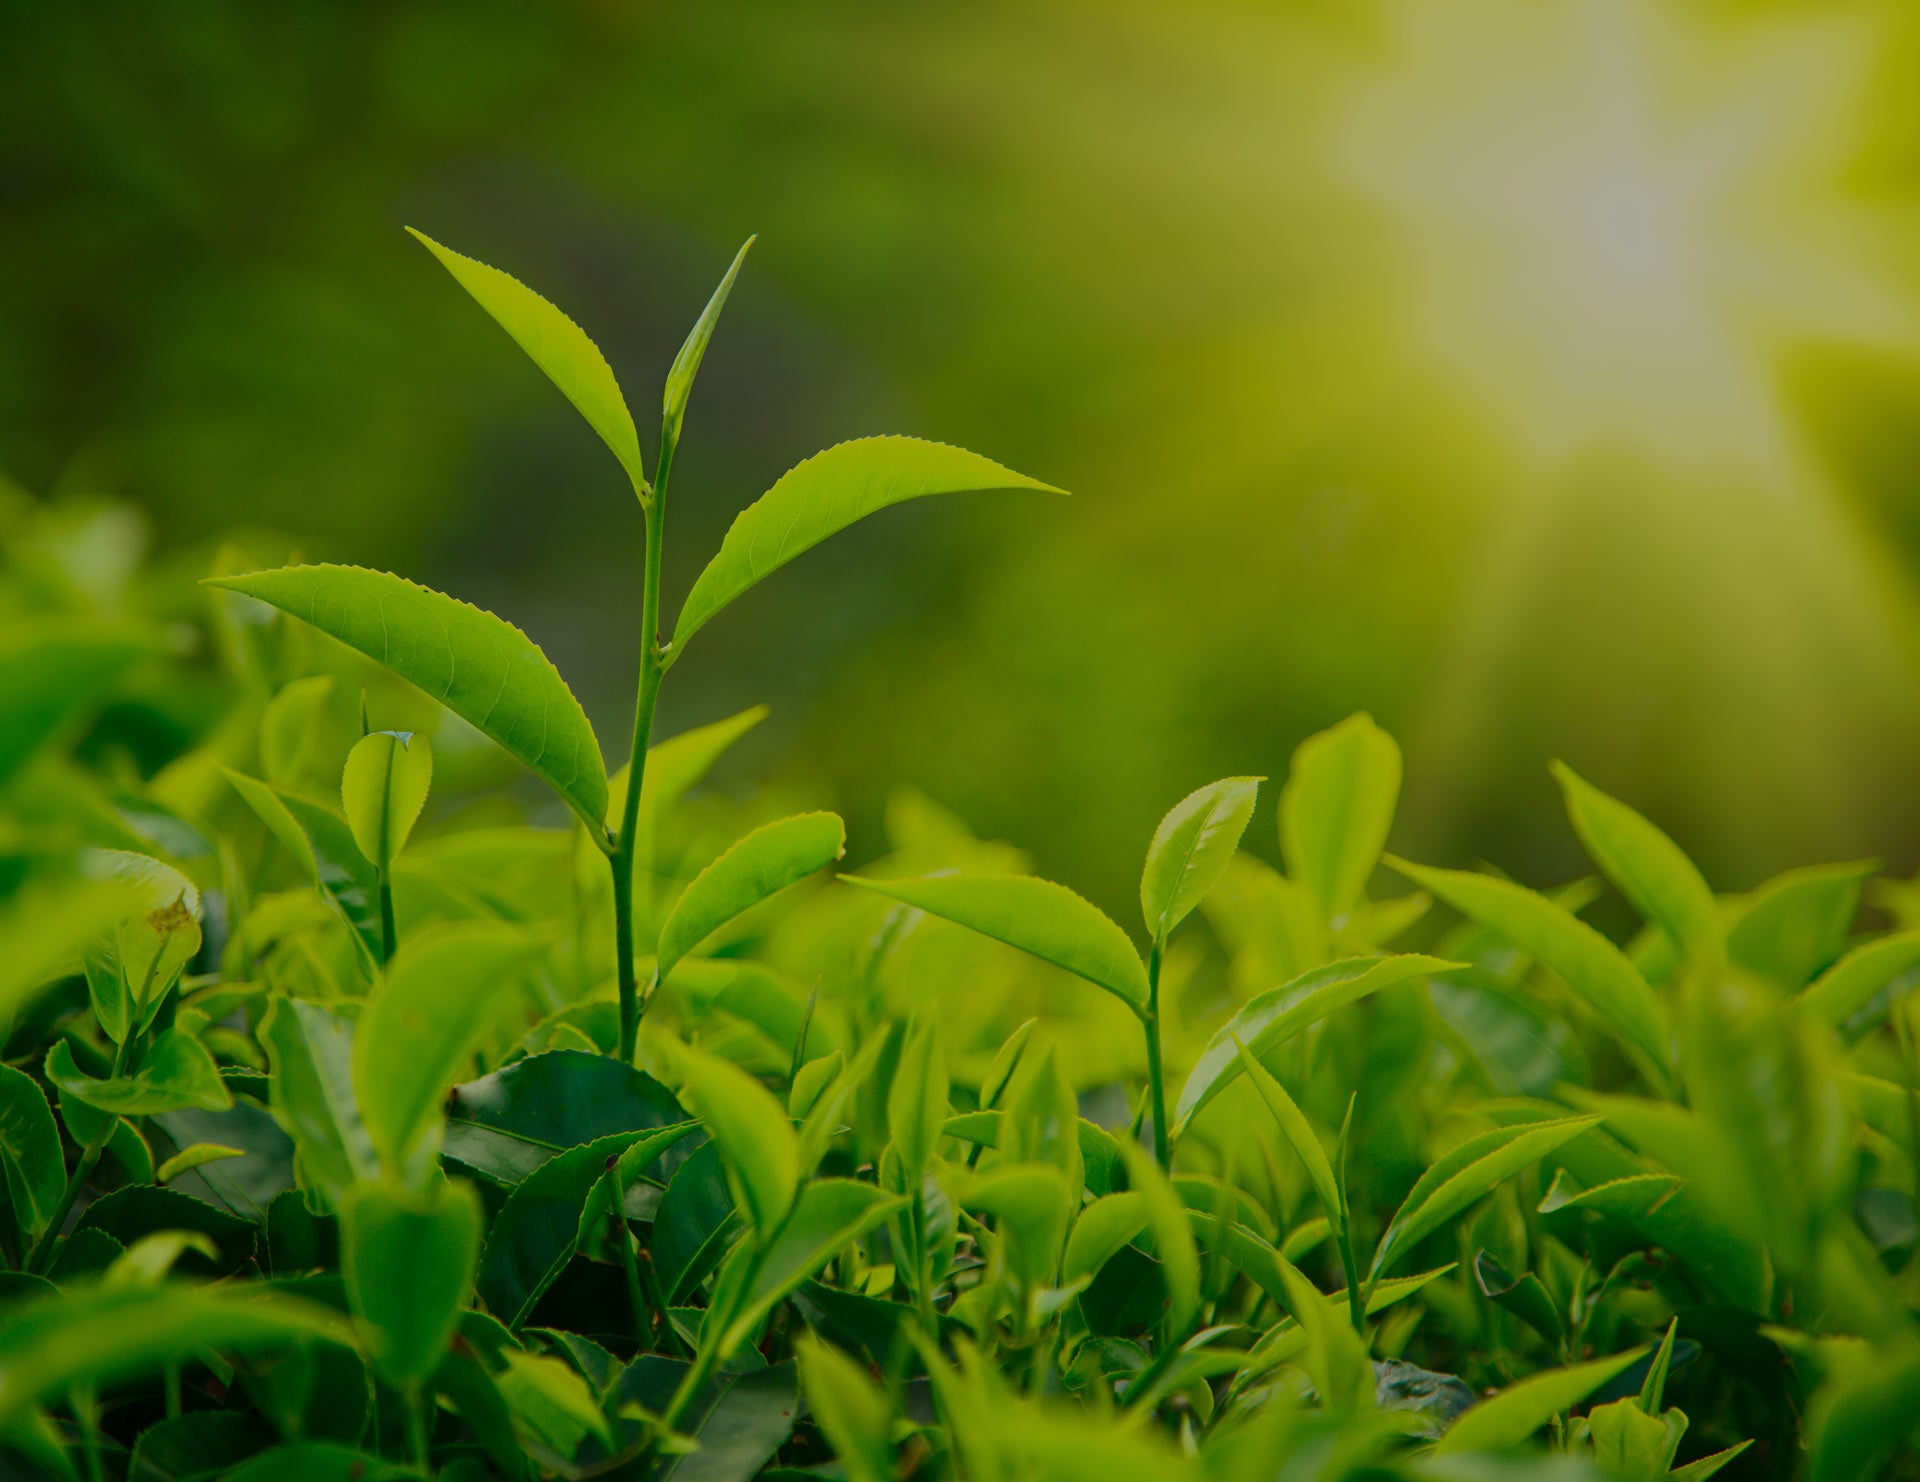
x=1541 y=376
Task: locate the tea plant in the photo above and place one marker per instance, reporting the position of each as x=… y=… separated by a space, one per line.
x=357 y=1124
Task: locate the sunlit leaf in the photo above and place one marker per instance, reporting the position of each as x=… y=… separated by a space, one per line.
x=383 y=790
x=1336 y=809
x=760 y=865
x=1521 y=1409
x=1192 y=848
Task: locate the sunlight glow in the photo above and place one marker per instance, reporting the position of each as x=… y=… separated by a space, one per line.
x=1619 y=213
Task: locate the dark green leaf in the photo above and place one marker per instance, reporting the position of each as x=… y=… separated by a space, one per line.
x=29 y=1151
x=505 y=1125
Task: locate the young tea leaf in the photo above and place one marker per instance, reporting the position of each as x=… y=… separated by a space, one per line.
x=409 y=1260
x=557 y=345
x=757 y=1142
x=1336 y=808
x=1591 y=965
x=760 y=865
x=825 y=494
x=1272 y=1017
x=1521 y=1409
x=384 y=788
x=1037 y=916
x=686 y=365
x=29 y=1151
x=1192 y=849
x=1306 y=1142
x=443 y=994
x=1647 y=867
x=481 y=667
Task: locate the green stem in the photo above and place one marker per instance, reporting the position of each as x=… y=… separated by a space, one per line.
x=419 y=1402
x=652 y=667
x=629 y=1262
x=89 y=1160
x=389 y=931
x=1156 y=1076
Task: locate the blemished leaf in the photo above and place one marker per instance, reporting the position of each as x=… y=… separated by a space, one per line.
x=1466 y=1174
x=1590 y=964
x=1647 y=867
x=195 y=1155
x=1336 y=808
x=130 y=973
x=323 y=844
x=757 y=1142
x=686 y=364
x=557 y=345
x=29 y=1151
x=383 y=790
x=99 y=1337
x=917 y=1100
x=760 y=865
x=852 y=1413
x=175 y=1072
x=1271 y=1018
x=444 y=992
x=824 y=495
x=1035 y=915
x=1852 y=983
x=408 y=1259
x=310 y=1051
x=1304 y=1140
x=481 y=667
x=1192 y=848
x=1521 y=1409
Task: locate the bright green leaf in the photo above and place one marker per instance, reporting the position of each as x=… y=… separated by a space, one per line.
x=1514 y=1414
x=1192 y=848
x=1037 y=916
x=481 y=667
x=760 y=865
x=408 y=1259
x=195 y=1155
x=686 y=365
x=557 y=345
x=383 y=789
x=824 y=495
x=1336 y=809
x=757 y=1142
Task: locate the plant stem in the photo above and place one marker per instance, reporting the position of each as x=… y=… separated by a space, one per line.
x=630 y=1264
x=389 y=931
x=1156 y=1077
x=419 y=1402
x=89 y=1159
x=652 y=666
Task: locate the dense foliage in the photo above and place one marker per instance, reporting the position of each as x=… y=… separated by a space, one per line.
x=363 y=1117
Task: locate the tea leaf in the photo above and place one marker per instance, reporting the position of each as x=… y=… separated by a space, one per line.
x=1273 y=1017
x=849 y=1410
x=1647 y=867
x=1466 y=1174
x=825 y=494
x=760 y=865
x=686 y=365
x=50 y=671
x=1306 y=1142
x=198 y=1155
x=1103 y=1228
x=1336 y=808
x=1037 y=916
x=1590 y=964
x=1172 y=1239
x=1191 y=850
x=409 y=1261
x=917 y=1101
x=29 y=1151
x=383 y=789
x=482 y=668
x=310 y=1049
x=442 y=995
x=322 y=842
x=175 y=1072
x=1521 y=1409
x=557 y=345
x=105 y=1335
x=1846 y=988
x=829 y=1215
x=757 y=1142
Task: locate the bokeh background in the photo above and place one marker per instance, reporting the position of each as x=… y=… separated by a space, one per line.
x=1542 y=376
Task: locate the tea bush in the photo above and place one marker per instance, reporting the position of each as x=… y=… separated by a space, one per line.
x=361 y=1118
